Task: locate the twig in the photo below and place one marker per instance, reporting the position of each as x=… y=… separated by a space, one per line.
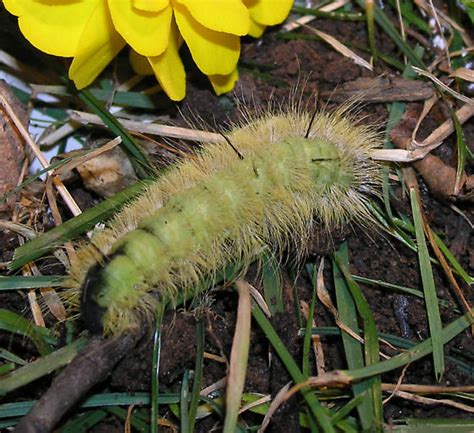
x=91 y=366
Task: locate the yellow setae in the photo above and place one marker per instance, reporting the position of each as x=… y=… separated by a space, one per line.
x=94 y=31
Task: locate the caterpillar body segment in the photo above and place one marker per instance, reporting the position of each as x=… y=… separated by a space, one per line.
x=219 y=209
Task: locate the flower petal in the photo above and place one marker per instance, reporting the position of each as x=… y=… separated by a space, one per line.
x=53 y=27
x=228 y=16
x=99 y=44
x=150 y=5
x=269 y=12
x=256 y=30
x=146 y=32
x=224 y=83
x=215 y=53
x=15 y=7
x=169 y=69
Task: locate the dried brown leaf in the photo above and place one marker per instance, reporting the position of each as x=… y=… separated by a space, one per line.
x=12 y=149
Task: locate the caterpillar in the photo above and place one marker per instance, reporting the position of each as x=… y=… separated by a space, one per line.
x=286 y=171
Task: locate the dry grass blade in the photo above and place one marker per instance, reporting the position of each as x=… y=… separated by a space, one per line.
x=433 y=401
x=238 y=357
x=259 y=299
x=316 y=340
x=71 y=204
x=21 y=229
x=439 y=83
x=448 y=271
x=293 y=25
x=447 y=127
x=53 y=302
x=434 y=12
x=90 y=155
x=153 y=129
x=325 y=298
x=444 y=19
x=35 y=309
x=396 y=155
x=336 y=378
x=70 y=126
x=63 y=131
x=397 y=385
x=427 y=389
x=341 y=48
x=417 y=150
x=463 y=74
x=256 y=403
x=128 y=420
x=401 y=24
x=213 y=387
x=279 y=399
x=427 y=106
x=22 y=69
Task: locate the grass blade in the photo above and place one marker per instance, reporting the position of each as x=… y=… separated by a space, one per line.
x=309 y=321
x=320 y=413
x=9 y=410
x=183 y=403
x=352 y=348
x=12 y=322
x=461 y=152
x=401 y=343
x=139 y=160
x=41 y=367
x=73 y=227
x=369 y=14
x=452 y=260
x=442 y=246
x=411 y=17
x=387 y=26
x=238 y=357
x=11 y=357
x=334 y=15
x=84 y=422
x=127 y=99
x=345 y=410
x=198 y=371
x=155 y=370
x=400 y=289
x=429 y=289
x=271 y=281
x=134 y=421
x=15 y=283
x=435 y=426
x=416 y=352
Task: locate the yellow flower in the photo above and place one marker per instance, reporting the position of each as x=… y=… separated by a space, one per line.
x=94 y=31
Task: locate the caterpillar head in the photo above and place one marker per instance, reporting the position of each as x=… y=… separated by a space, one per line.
x=112 y=296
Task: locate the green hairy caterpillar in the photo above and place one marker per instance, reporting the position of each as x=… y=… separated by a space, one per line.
x=288 y=171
